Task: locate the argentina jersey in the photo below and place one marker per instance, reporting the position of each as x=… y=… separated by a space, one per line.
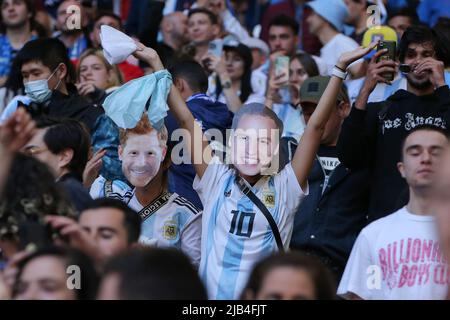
x=115 y=189
x=235 y=233
x=176 y=223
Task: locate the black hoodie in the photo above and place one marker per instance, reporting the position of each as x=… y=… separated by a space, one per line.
x=366 y=141
x=73 y=106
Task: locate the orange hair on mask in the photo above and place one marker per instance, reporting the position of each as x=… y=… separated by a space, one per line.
x=143 y=127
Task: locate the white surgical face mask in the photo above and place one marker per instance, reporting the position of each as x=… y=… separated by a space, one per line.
x=38 y=90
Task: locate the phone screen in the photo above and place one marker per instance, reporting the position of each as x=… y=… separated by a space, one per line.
x=215 y=47
x=282 y=67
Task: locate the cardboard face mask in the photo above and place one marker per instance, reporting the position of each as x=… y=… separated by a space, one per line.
x=141 y=158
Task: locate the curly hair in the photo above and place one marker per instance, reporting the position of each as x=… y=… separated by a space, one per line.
x=30 y=193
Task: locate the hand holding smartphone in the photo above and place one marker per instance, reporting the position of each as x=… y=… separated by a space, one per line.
x=282 y=68
x=215 y=47
x=389 y=55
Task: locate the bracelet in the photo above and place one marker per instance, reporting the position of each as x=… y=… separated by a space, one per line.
x=338 y=73
x=336 y=66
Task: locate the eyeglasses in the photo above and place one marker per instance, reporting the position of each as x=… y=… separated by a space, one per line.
x=34 y=150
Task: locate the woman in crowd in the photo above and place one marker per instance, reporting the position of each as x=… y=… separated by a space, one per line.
x=96 y=77
x=232 y=84
x=301 y=67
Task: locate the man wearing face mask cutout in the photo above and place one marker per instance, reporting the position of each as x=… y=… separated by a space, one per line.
x=47 y=74
x=168 y=220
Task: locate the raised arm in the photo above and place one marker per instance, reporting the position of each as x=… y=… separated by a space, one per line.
x=14 y=134
x=306 y=151
x=200 y=150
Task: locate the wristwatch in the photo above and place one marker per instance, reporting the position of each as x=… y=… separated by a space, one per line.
x=226 y=84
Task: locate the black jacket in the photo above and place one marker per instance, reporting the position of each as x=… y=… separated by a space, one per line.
x=328 y=222
x=71 y=106
x=366 y=141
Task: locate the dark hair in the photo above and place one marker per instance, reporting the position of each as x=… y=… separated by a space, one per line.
x=256 y=109
x=109 y=14
x=193 y=73
x=50 y=52
x=423 y=127
x=404 y=12
x=156 y=274
x=246 y=80
x=442 y=29
x=285 y=21
x=131 y=219
x=308 y=63
x=64 y=134
x=211 y=15
x=30 y=193
x=89 y=279
x=321 y=277
x=30 y=8
x=419 y=34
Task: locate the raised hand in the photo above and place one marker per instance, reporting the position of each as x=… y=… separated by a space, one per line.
x=435 y=68
x=216 y=6
x=16 y=131
x=93 y=167
x=86 y=88
x=348 y=58
x=148 y=55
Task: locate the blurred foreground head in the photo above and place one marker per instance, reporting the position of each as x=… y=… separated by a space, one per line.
x=151 y=274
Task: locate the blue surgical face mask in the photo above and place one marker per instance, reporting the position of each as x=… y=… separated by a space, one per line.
x=38 y=90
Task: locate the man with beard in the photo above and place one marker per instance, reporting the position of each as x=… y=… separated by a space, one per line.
x=372 y=134
x=174 y=32
x=168 y=220
x=75 y=38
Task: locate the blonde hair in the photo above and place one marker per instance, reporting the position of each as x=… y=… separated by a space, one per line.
x=116 y=79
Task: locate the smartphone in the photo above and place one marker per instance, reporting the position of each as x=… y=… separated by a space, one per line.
x=389 y=55
x=282 y=67
x=215 y=47
x=405 y=68
x=34 y=234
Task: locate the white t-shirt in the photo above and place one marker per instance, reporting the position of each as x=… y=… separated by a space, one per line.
x=331 y=51
x=397 y=258
x=235 y=234
x=178 y=223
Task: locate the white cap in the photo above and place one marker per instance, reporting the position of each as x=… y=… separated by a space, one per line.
x=255 y=43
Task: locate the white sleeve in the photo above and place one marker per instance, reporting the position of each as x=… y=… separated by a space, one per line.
x=191 y=237
x=233 y=26
x=97 y=187
x=355 y=277
x=207 y=186
x=259 y=82
x=12 y=107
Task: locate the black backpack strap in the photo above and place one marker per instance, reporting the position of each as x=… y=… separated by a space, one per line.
x=249 y=193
